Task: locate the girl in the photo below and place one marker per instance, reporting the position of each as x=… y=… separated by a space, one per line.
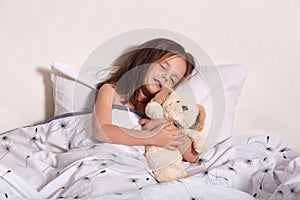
x=139 y=75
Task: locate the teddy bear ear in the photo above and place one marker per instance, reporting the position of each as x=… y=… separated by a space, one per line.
x=201 y=118
x=161 y=96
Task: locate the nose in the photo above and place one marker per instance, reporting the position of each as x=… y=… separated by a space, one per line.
x=164 y=78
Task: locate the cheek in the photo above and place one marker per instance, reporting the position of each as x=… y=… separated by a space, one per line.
x=169 y=85
x=147 y=79
x=148 y=75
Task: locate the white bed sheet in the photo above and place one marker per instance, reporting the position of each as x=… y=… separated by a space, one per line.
x=59 y=159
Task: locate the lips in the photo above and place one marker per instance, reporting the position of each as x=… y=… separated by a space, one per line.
x=157 y=82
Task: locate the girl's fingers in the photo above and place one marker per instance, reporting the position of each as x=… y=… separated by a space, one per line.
x=180 y=136
x=172 y=148
x=143 y=121
x=167 y=124
x=177 y=143
x=151 y=124
x=174 y=145
x=170 y=126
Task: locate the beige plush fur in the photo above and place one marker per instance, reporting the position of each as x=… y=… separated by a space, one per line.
x=183 y=111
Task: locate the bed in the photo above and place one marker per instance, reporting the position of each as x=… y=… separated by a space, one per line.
x=60 y=159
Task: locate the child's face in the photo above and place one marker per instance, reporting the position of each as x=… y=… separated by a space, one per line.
x=165 y=73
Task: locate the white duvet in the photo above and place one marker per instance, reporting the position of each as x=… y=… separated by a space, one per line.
x=58 y=159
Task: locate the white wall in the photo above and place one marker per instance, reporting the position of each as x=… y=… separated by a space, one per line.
x=264 y=34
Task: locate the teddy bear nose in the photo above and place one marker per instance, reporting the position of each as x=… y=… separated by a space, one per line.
x=184 y=108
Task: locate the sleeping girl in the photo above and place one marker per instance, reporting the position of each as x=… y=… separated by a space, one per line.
x=155 y=65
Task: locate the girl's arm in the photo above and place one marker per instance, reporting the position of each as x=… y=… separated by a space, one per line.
x=104 y=131
x=187 y=150
x=184 y=142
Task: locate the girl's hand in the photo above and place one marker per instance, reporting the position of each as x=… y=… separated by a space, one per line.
x=165 y=134
x=151 y=124
x=178 y=139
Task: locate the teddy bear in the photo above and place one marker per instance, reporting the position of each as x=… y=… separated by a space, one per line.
x=186 y=115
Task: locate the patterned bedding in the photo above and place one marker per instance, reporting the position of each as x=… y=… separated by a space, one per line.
x=59 y=159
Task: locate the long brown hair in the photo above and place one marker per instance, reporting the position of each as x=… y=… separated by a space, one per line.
x=130 y=68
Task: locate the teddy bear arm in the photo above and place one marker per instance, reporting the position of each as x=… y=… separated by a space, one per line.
x=198 y=139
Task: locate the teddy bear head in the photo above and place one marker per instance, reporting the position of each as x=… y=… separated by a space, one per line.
x=178 y=107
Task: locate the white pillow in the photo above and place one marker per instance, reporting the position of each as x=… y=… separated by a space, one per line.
x=73 y=89
x=217 y=88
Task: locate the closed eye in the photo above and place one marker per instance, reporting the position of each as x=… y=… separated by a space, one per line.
x=163 y=67
x=173 y=81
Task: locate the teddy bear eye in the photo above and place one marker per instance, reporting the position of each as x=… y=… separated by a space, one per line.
x=184 y=108
x=177 y=101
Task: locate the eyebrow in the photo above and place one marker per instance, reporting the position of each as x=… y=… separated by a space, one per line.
x=165 y=61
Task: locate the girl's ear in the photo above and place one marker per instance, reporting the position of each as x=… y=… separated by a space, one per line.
x=201 y=119
x=161 y=96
